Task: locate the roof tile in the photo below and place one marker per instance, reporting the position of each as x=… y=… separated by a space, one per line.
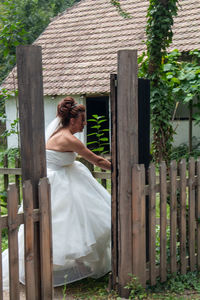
x=79 y=46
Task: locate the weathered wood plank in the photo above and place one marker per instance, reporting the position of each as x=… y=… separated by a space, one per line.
x=157 y=187
x=17 y=178
x=6 y=179
x=173 y=216
x=139 y=223
x=152 y=224
x=31 y=117
x=182 y=168
x=19 y=218
x=191 y=218
x=29 y=240
x=198 y=214
x=114 y=179
x=13 y=242
x=10 y=171
x=127 y=149
x=103 y=180
x=45 y=240
x=163 y=222
x=102 y=175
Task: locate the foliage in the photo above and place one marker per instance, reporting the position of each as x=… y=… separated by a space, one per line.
x=159 y=36
x=11 y=153
x=99 y=139
x=137 y=291
x=3 y=202
x=182 y=151
x=178 y=283
x=159 y=32
x=122 y=12
x=88 y=288
x=21 y=21
x=179 y=82
x=4 y=239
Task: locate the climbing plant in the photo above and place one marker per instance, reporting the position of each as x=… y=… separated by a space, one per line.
x=159 y=36
x=180 y=76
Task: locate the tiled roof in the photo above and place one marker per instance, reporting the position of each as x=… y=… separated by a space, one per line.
x=79 y=47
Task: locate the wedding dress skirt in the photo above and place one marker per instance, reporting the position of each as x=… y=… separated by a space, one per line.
x=81 y=222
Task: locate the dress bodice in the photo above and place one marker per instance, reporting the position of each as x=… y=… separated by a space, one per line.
x=56 y=159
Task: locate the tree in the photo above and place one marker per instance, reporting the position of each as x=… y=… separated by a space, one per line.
x=21 y=22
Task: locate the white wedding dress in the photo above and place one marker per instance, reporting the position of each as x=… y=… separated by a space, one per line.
x=81 y=220
x=81 y=223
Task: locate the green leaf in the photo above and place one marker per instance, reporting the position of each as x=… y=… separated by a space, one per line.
x=90 y=143
x=90 y=134
x=96 y=126
x=92 y=120
x=98 y=149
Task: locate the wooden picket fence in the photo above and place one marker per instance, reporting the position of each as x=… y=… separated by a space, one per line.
x=170 y=242
x=178 y=194
x=29 y=218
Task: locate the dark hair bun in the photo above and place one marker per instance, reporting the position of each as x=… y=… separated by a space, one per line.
x=67 y=109
x=64 y=107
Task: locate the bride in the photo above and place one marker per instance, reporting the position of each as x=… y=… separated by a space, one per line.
x=81 y=207
x=81 y=217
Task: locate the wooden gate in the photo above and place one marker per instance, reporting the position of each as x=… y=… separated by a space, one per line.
x=29 y=217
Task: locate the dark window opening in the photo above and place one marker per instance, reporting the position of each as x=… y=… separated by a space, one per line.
x=97 y=106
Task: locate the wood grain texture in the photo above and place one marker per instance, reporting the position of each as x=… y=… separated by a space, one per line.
x=29 y=240
x=31 y=118
x=45 y=240
x=173 y=216
x=182 y=168
x=13 y=242
x=152 y=224
x=127 y=151
x=191 y=217
x=139 y=223
x=163 y=222
x=114 y=180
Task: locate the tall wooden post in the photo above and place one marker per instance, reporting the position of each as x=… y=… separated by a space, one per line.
x=31 y=114
x=127 y=155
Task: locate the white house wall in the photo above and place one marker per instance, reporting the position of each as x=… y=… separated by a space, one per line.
x=50 y=105
x=182 y=132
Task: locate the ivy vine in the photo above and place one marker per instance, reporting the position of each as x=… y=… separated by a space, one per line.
x=159 y=36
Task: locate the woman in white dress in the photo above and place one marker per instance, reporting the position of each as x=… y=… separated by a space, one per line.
x=81 y=207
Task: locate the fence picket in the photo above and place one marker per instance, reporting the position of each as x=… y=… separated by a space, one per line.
x=139 y=223
x=191 y=218
x=1 y=287
x=45 y=240
x=5 y=164
x=163 y=221
x=173 y=216
x=198 y=213
x=13 y=242
x=152 y=224
x=29 y=240
x=182 y=168
x=17 y=177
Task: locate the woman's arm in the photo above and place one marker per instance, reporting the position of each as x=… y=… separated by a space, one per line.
x=97 y=160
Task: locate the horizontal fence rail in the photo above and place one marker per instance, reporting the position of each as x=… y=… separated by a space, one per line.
x=174 y=218
x=28 y=217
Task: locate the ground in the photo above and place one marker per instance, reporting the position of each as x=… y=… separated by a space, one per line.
x=87 y=289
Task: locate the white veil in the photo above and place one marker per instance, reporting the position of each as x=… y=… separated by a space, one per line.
x=51 y=128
